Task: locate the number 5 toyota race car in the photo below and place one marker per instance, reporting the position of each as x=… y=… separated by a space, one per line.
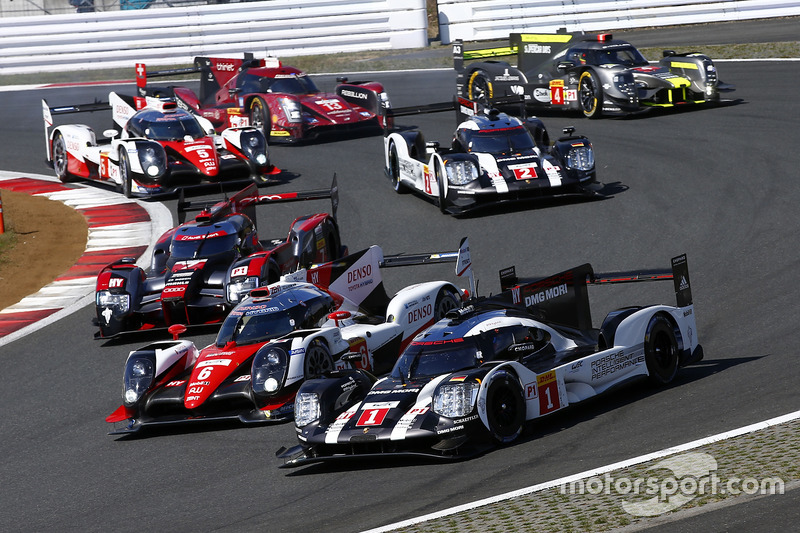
x=202 y=268
x=475 y=377
x=154 y=149
x=282 y=334
x=281 y=101
x=494 y=158
x=595 y=74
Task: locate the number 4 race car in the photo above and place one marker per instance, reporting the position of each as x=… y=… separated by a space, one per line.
x=281 y=101
x=202 y=268
x=282 y=334
x=494 y=158
x=595 y=74
x=155 y=148
x=475 y=377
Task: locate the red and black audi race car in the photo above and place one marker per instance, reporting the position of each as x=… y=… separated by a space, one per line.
x=280 y=100
x=201 y=269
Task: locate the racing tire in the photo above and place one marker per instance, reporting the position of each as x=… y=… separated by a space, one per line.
x=318 y=360
x=394 y=170
x=505 y=408
x=60 y=158
x=125 y=174
x=446 y=301
x=590 y=94
x=259 y=116
x=661 y=350
x=479 y=88
x=442 y=193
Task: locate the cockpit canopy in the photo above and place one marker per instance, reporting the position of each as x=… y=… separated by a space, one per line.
x=164 y=126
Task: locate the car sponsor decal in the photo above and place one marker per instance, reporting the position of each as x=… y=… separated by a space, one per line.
x=557 y=92
x=332 y=433
x=192 y=264
x=553 y=173
x=617 y=361
x=549 y=399
x=526 y=171
x=407 y=420
x=373 y=413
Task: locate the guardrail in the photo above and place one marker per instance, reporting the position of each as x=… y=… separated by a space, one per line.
x=281 y=28
x=474 y=20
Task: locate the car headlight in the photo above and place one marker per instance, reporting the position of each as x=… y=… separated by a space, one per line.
x=118 y=303
x=139 y=375
x=581 y=157
x=254 y=146
x=455 y=400
x=239 y=290
x=306 y=408
x=269 y=369
x=152 y=158
x=292 y=110
x=461 y=172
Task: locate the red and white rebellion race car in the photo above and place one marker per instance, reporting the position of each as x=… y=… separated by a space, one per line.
x=333 y=315
x=280 y=100
x=154 y=148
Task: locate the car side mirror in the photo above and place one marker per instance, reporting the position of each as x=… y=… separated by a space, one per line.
x=341 y=79
x=563 y=66
x=110 y=133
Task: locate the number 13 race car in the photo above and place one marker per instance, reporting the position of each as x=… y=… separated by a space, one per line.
x=475 y=377
x=494 y=158
x=160 y=148
x=595 y=74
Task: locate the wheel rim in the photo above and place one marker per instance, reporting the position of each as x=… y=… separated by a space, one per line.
x=60 y=157
x=124 y=174
x=444 y=305
x=663 y=351
x=504 y=412
x=258 y=118
x=588 y=99
x=394 y=167
x=317 y=362
x=480 y=90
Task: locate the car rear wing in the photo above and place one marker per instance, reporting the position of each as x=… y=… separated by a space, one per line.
x=49 y=111
x=563 y=298
x=248 y=198
x=463 y=107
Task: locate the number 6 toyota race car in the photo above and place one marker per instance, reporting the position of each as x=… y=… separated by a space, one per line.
x=282 y=334
x=154 y=149
x=595 y=74
x=494 y=158
x=475 y=377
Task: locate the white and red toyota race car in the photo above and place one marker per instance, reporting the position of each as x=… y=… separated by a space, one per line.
x=154 y=148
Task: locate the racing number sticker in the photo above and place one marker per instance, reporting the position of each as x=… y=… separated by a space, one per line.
x=523 y=172
x=548 y=392
x=372 y=417
x=359 y=345
x=557 y=92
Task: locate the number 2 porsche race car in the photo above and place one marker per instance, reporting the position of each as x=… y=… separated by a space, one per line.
x=154 y=148
x=494 y=158
x=281 y=101
x=202 y=268
x=280 y=335
x=474 y=378
x=594 y=74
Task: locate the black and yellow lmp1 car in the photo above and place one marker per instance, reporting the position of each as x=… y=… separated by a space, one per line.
x=592 y=73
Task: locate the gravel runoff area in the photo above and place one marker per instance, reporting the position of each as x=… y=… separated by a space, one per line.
x=691 y=481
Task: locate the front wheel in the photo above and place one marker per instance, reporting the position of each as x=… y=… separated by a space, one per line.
x=259 y=116
x=318 y=360
x=479 y=88
x=125 y=174
x=60 y=158
x=590 y=95
x=505 y=408
x=661 y=350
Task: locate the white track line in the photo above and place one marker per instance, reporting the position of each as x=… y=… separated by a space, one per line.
x=590 y=473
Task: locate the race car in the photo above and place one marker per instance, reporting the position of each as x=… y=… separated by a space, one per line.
x=201 y=269
x=494 y=157
x=296 y=329
x=592 y=73
x=473 y=379
x=154 y=148
x=280 y=100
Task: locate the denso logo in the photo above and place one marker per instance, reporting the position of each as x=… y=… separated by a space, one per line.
x=227 y=67
x=359 y=273
x=420 y=314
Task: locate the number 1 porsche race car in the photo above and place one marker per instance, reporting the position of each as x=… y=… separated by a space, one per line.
x=202 y=268
x=154 y=148
x=595 y=74
x=494 y=158
x=280 y=335
x=281 y=101
x=474 y=378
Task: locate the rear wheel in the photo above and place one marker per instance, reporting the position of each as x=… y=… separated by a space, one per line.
x=394 y=169
x=318 y=360
x=479 y=88
x=125 y=174
x=259 y=116
x=442 y=193
x=446 y=300
x=590 y=95
x=661 y=350
x=60 y=158
x=505 y=408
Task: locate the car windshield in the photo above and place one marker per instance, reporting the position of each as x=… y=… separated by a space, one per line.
x=249 y=324
x=425 y=359
x=627 y=56
x=250 y=83
x=206 y=244
x=502 y=141
x=172 y=128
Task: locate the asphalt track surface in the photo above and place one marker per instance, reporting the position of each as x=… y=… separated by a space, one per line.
x=719 y=184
